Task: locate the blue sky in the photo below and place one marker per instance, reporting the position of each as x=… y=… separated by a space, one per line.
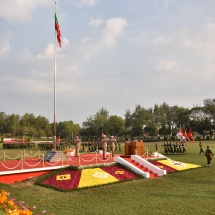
x=115 y=54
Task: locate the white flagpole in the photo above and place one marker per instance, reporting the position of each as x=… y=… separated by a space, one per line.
x=55 y=68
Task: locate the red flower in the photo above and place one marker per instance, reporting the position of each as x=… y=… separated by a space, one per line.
x=70 y=179
x=64 y=180
x=119 y=173
x=163 y=166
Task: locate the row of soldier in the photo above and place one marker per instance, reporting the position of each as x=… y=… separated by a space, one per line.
x=96 y=145
x=174 y=148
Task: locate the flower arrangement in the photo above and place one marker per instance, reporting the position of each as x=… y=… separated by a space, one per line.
x=8 y=206
x=173 y=166
x=164 y=167
x=67 y=151
x=69 y=179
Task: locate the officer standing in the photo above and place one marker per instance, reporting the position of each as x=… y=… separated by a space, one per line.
x=112 y=144
x=104 y=146
x=77 y=144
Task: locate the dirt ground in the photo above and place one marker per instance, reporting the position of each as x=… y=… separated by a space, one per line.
x=28 y=182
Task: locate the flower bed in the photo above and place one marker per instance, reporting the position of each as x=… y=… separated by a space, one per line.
x=9 y=206
x=69 y=179
x=164 y=167
x=173 y=166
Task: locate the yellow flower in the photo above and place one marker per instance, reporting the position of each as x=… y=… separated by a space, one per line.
x=10 y=203
x=3 y=199
x=9 y=207
x=4 y=193
x=21 y=212
x=94 y=177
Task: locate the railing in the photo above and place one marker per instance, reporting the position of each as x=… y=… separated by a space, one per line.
x=24 y=161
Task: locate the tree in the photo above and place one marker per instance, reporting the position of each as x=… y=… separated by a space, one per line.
x=182 y=118
x=13 y=125
x=128 y=119
x=68 y=129
x=209 y=109
x=151 y=128
x=139 y=120
x=27 y=120
x=170 y=118
x=2 y=122
x=96 y=124
x=116 y=125
x=41 y=123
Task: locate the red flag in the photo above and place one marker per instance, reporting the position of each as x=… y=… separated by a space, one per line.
x=57 y=28
x=184 y=133
x=58 y=139
x=190 y=135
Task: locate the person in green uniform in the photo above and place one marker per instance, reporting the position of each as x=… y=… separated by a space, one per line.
x=201 y=148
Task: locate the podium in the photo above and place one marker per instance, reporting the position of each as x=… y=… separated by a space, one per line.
x=134 y=148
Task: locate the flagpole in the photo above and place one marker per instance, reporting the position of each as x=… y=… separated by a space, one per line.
x=55 y=68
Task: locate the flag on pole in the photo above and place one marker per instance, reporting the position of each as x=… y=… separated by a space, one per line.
x=57 y=28
x=184 y=133
x=58 y=139
x=190 y=135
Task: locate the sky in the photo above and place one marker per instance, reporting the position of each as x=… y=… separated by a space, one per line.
x=115 y=54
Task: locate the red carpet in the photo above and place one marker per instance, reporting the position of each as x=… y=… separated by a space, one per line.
x=18 y=170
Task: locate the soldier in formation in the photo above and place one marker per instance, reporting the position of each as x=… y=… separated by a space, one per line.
x=175 y=147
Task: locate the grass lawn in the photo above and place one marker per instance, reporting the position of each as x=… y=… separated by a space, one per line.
x=184 y=192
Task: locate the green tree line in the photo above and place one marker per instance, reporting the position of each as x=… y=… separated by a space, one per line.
x=161 y=120
x=34 y=127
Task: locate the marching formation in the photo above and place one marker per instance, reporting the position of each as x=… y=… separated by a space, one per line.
x=174 y=148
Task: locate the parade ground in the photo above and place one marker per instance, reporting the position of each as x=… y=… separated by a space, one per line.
x=183 y=192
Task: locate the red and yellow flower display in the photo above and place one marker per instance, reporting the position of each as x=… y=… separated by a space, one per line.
x=74 y=179
x=174 y=166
